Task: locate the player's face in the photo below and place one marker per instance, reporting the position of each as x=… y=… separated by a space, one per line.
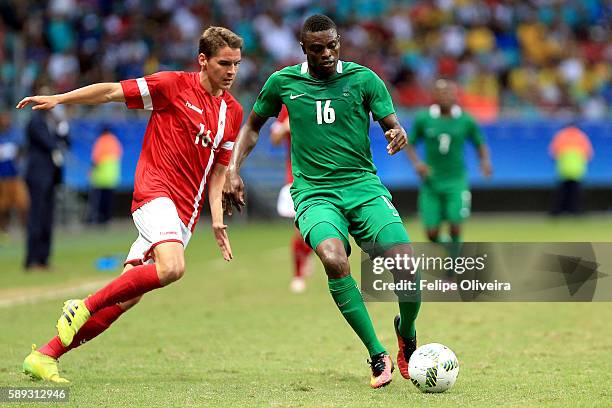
x=221 y=68
x=445 y=94
x=322 y=49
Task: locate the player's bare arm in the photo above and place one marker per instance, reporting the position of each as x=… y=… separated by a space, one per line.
x=215 y=192
x=485 y=160
x=233 y=191
x=420 y=167
x=394 y=133
x=88 y=95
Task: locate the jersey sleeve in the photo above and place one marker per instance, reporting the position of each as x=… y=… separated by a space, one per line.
x=377 y=96
x=475 y=134
x=151 y=92
x=268 y=101
x=416 y=132
x=225 y=150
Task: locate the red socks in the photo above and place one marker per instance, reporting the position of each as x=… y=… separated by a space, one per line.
x=135 y=282
x=97 y=323
x=301 y=251
x=103 y=306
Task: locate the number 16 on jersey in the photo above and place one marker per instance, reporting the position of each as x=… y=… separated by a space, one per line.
x=325 y=113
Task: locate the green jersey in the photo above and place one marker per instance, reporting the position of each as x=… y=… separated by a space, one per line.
x=445 y=138
x=330 y=122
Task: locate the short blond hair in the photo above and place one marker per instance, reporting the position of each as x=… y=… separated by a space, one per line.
x=215 y=38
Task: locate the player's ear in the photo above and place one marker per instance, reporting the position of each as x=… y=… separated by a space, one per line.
x=202 y=60
x=303 y=49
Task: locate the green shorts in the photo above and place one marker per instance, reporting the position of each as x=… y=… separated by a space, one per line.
x=336 y=217
x=436 y=206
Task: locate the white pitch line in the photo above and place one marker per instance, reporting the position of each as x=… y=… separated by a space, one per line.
x=41 y=294
x=51 y=294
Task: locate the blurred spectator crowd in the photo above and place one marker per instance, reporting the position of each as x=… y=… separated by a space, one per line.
x=511 y=57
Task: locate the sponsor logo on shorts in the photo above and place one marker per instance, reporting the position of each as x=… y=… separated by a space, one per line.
x=169 y=233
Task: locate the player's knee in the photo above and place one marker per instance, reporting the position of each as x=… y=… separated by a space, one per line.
x=335 y=263
x=401 y=251
x=170 y=270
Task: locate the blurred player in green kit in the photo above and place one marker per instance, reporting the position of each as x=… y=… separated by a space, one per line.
x=444 y=194
x=335 y=190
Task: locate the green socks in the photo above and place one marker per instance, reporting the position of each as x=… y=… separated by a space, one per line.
x=408 y=314
x=409 y=305
x=345 y=293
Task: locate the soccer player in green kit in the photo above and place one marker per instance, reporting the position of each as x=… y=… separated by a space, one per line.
x=335 y=190
x=444 y=194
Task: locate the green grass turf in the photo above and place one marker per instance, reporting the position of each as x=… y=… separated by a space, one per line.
x=231 y=334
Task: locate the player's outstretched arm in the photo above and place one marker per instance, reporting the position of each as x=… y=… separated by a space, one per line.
x=215 y=192
x=233 y=191
x=89 y=95
x=394 y=133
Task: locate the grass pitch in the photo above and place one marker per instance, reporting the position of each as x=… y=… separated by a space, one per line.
x=231 y=334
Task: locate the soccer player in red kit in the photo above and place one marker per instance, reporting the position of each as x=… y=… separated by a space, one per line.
x=280 y=132
x=186 y=148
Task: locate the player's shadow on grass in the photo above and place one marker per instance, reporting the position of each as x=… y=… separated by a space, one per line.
x=334 y=375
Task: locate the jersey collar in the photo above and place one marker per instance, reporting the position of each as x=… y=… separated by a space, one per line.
x=435 y=111
x=304 y=68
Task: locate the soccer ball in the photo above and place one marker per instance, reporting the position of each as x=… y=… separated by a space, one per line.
x=433 y=368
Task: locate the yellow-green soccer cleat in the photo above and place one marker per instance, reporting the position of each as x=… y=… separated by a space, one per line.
x=74 y=315
x=42 y=367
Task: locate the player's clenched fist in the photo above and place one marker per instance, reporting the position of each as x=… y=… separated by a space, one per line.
x=397 y=140
x=233 y=192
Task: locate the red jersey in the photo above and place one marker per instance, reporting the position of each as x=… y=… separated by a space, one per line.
x=283 y=116
x=189 y=131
